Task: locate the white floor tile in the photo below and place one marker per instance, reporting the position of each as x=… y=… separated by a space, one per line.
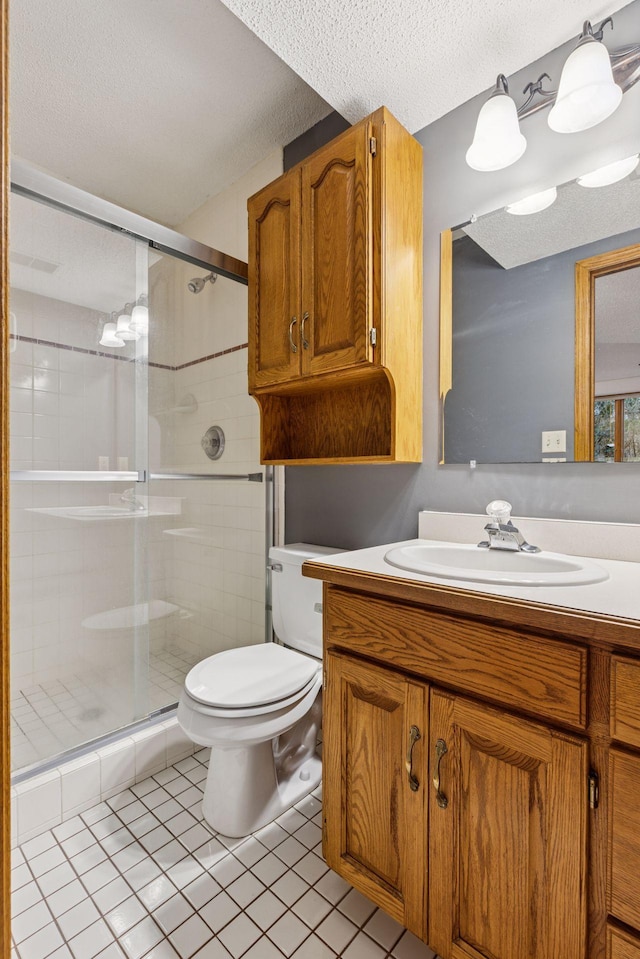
x=143 y=877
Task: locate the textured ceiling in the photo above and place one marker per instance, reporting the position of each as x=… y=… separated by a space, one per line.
x=159 y=104
x=420 y=59
x=153 y=104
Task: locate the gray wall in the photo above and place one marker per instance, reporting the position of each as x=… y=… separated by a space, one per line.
x=513 y=352
x=355 y=506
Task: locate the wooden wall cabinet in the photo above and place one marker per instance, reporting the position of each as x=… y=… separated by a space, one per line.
x=335 y=301
x=522 y=836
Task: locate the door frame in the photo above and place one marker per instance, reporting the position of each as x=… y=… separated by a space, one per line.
x=5 y=780
x=586 y=273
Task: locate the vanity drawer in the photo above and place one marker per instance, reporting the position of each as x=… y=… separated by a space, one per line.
x=510 y=667
x=622 y=945
x=624 y=837
x=625 y=700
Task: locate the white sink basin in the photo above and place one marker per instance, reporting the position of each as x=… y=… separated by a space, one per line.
x=510 y=568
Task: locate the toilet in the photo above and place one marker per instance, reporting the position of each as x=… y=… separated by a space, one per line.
x=259 y=707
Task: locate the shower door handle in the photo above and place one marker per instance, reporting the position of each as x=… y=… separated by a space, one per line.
x=294 y=320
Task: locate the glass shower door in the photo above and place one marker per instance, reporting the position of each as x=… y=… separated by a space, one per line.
x=79 y=610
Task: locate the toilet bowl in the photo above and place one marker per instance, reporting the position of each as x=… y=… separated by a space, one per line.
x=259 y=707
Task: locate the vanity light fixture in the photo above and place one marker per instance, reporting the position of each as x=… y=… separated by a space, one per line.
x=587 y=93
x=591 y=86
x=140 y=316
x=123 y=326
x=611 y=173
x=534 y=203
x=109 y=336
x=497 y=142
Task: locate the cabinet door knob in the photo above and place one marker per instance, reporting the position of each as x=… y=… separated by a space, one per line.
x=294 y=348
x=441 y=750
x=305 y=341
x=414 y=736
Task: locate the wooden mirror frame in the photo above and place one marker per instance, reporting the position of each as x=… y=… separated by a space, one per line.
x=5 y=768
x=587 y=272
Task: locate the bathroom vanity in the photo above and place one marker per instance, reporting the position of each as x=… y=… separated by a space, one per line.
x=482 y=758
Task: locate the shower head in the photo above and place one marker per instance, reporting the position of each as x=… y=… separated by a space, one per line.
x=196 y=285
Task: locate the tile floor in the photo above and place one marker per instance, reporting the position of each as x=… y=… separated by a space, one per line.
x=141 y=875
x=58 y=714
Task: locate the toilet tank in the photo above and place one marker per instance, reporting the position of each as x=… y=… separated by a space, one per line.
x=295 y=599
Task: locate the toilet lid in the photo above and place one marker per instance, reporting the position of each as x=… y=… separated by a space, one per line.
x=250 y=676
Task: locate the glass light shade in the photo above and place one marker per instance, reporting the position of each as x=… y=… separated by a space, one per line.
x=534 y=203
x=497 y=142
x=123 y=329
x=587 y=93
x=109 y=336
x=140 y=319
x=610 y=173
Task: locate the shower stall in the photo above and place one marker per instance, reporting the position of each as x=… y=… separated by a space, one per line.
x=140 y=514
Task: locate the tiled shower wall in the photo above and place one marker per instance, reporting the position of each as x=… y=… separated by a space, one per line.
x=215 y=555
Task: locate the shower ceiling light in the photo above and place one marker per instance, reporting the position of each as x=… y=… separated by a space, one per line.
x=611 y=173
x=534 y=203
x=591 y=87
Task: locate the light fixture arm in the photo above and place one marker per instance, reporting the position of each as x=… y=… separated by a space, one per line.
x=535 y=89
x=587 y=29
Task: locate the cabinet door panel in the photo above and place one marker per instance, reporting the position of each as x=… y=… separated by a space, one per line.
x=624 y=847
x=374 y=823
x=508 y=852
x=336 y=254
x=622 y=945
x=274 y=282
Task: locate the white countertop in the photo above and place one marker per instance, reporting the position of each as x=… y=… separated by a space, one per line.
x=619 y=595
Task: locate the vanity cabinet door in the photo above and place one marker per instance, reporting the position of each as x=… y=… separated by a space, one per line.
x=507 y=835
x=624 y=833
x=375 y=785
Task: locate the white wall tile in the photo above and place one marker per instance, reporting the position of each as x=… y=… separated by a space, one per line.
x=118 y=766
x=150 y=751
x=39 y=804
x=80 y=783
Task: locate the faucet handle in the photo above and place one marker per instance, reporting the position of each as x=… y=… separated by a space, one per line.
x=499 y=511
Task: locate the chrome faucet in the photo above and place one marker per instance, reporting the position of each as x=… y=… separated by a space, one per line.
x=129 y=497
x=502 y=533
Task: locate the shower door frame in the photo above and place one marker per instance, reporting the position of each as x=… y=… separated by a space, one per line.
x=5 y=767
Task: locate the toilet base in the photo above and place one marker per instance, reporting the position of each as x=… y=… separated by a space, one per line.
x=247 y=788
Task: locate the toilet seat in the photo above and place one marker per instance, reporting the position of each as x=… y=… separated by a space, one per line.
x=251 y=679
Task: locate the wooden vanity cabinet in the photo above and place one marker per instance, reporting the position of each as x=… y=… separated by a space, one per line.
x=487 y=858
x=335 y=301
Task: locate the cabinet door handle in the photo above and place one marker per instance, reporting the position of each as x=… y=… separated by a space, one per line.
x=305 y=341
x=414 y=736
x=441 y=750
x=294 y=348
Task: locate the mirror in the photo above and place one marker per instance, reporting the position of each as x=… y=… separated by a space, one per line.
x=540 y=334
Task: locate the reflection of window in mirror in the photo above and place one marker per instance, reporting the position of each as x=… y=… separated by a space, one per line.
x=617 y=367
